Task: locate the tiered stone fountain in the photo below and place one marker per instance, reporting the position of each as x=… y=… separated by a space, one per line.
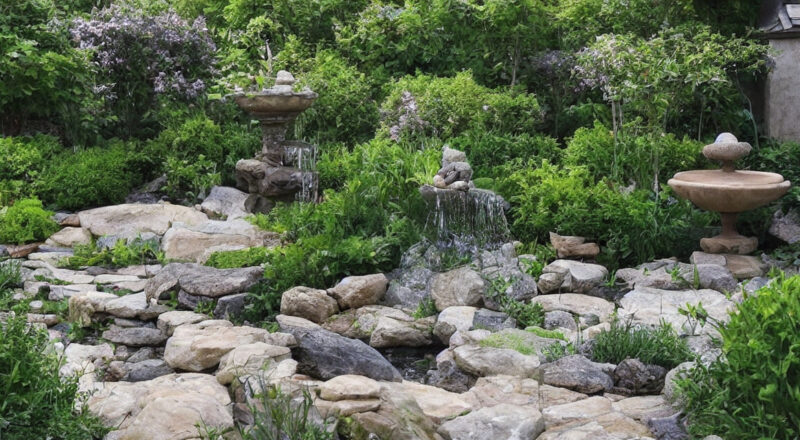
x=283 y=169
x=729 y=191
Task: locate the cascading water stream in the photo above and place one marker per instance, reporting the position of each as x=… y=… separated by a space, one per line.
x=303 y=156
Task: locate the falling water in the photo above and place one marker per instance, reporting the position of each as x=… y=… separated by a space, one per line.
x=303 y=156
x=466 y=220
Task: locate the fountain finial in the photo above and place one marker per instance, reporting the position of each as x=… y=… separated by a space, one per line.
x=727 y=149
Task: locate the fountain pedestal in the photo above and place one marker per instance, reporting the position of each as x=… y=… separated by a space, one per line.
x=728 y=191
x=272 y=175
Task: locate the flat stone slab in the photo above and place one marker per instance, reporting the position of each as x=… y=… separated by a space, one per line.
x=650 y=306
x=132 y=218
x=576 y=304
x=202 y=280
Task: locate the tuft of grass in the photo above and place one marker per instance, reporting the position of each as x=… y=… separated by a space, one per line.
x=509 y=340
x=426 y=307
x=660 y=345
x=550 y=334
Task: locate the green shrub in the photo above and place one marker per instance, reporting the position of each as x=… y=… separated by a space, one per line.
x=197 y=135
x=647 y=159
x=37 y=403
x=423 y=105
x=345 y=110
x=777 y=157
x=486 y=151
x=548 y=198
x=239 y=258
x=751 y=391
x=190 y=180
x=526 y=314
x=26 y=221
x=660 y=345
x=426 y=307
x=23 y=160
x=87 y=178
x=122 y=254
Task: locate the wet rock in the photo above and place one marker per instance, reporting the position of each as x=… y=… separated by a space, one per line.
x=632 y=377
x=578 y=374
x=501 y=421
x=358 y=291
x=458 y=287
x=305 y=302
x=325 y=355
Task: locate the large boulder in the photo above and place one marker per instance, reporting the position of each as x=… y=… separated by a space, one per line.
x=134 y=218
x=305 y=302
x=358 y=291
x=197 y=242
x=69 y=237
x=325 y=355
x=197 y=347
x=458 y=287
x=250 y=359
x=134 y=336
x=504 y=421
x=225 y=202
x=202 y=280
x=651 y=306
x=574 y=276
x=489 y=361
x=786 y=226
x=390 y=332
x=578 y=374
x=170 y=407
x=453 y=319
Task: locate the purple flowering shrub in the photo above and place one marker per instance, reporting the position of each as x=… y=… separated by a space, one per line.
x=142 y=56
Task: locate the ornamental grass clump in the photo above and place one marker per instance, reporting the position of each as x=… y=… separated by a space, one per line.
x=753 y=390
x=626 y=340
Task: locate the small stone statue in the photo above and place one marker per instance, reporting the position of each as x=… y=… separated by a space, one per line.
x=455 y=172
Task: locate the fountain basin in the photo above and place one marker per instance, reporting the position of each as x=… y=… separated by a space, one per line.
x=729 y=191
x=271 y=104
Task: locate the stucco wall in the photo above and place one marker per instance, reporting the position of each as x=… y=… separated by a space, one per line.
x=782 y=107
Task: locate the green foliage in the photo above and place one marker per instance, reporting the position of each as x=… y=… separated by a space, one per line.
x=26 y=221
x=751 y=391
x=122 y=254
x=90 y=177
x=23 y=160
x=43 y=76
x=189 y=181
x=660 y=345
x=278 y=415
x=241 y=258
x=647 y=160
x=513 y=341
x=423 y=105
x=551 y=334
x=37 y=403
x=426 y=307
x=568 y=201
x=526 y=314
x=197 y=135
x=777 y=157
x=345 y=110
x=487 y=151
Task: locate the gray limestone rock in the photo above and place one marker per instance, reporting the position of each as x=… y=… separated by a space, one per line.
x=579 y=374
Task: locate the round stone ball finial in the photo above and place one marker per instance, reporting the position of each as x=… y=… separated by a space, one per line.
x=727 y=149
x=284 y=78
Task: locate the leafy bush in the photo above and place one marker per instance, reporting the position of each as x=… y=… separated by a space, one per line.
x=751 y=390
x=91 y=177
x=144 y=52
x=777 y=157
x=189 y=181
x=568 y=201
x=526 y=314
x=43 y=76
x=486 y=151
x=37 y=403
x=196 y=135
x=345 y=110
x=23 y=160
x=625 y=340
x=26 y=221
x=423 y=105
x=123 y=253
x=648 y=159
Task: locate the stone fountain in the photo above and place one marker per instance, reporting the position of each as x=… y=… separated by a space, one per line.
x=729 y=191
x=283 y=169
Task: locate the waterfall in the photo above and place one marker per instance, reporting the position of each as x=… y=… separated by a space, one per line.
x=303 y=156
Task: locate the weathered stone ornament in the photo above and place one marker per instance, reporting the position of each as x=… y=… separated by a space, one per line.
x=279 y=171
x=729 y=191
